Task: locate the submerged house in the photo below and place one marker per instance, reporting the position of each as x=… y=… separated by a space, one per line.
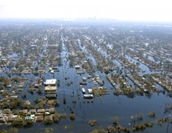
x=7 y=111
x=33 y=111
x=16 y=111
x=52 y=110
x=50 y=82
x=39 y=118
x=11 y=118
x=90 y=91
x=40 y=110
x=51 y=91
x=50 y=88
x=2 y=120
x=77 y=66
x=88 y=96
x=24 y=111
x=80 y=71
x=31 y=117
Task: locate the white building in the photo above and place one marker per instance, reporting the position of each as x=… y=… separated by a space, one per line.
x=77 y=66
x=50 y=82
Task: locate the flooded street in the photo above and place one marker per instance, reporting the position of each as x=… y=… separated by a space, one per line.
x=84 y=75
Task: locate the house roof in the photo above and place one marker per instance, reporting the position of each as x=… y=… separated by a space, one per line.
x=40 y=110
x=52 y=110
x=50 y=88
x=27 y=102
x=7 y=111
x=33 y=110
x=15 y=112
x=2 y=120
x=1 y=115
x=11 y=117
x=24 y=111
x=39 y=118
x=31 y=117
x=50 y=82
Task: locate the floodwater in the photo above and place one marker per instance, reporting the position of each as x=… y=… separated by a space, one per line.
x=101 y=110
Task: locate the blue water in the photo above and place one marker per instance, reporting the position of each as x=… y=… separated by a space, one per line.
x=101 y=110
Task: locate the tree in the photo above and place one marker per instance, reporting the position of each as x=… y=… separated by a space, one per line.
x=116 y=120
x=64 y=100
x=36 y=68
x=3 y=131
x=27 y=122
x=39 y=91
x=50 y=130
x=17 y=121
x=36 y=100
x=40 y=105
x=55 y=102
x=72 y=117
x=99 y=130
x=30 y=90
x=56 y=118
x=48 y=120
x=24 y=94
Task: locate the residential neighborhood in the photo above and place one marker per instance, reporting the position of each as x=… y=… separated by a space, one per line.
x=75 y=75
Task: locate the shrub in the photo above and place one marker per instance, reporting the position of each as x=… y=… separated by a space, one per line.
x=93 y=123
x=111 y=129
x=115 y=120
x=72 y=117
x=152 y=114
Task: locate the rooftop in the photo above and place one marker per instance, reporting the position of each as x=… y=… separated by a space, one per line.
x=50 y=88
x=50 y=82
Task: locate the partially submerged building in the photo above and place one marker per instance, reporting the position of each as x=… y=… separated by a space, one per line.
x=50 y=88
x=50 y=82
x=51 y=91
x=89 y=96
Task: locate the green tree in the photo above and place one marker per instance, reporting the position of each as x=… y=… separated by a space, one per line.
x=3 y=131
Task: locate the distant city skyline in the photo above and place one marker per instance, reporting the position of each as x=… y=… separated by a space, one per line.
x=140 y=10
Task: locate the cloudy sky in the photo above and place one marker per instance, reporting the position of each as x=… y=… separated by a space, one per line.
x=149 y=10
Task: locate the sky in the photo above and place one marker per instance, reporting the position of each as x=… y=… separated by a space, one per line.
x=140 y=10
